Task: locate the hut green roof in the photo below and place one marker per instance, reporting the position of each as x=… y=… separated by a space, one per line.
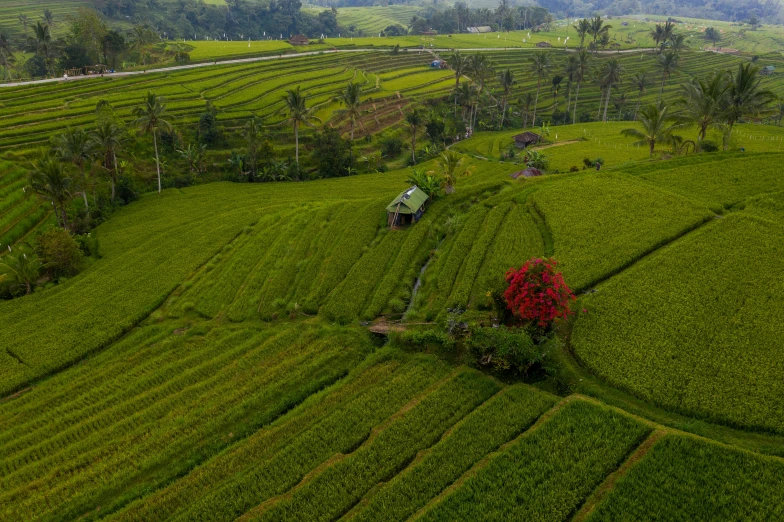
x=411 y=201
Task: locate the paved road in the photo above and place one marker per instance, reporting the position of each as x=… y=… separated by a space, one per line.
x=279 y=57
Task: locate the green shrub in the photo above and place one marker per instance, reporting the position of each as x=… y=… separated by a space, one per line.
x=505 y=349
x=708 y=146
x=59 y=252
x=425 y=339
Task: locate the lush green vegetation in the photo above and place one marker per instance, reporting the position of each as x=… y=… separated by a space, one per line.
x=193 y=344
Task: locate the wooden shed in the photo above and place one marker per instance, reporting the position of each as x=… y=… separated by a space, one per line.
x=526 y=138
x=544 y=44
x=407 y=207
x=299 y=39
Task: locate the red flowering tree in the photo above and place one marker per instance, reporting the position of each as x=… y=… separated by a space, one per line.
x=537 y=293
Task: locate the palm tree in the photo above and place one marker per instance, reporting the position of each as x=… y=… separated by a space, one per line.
x=640 y=83
x=451 y=164
x=253 y=135
x=583 y=63
x=657 y=34
x=299 y=113
x=467 y=96
x=677 y=42
x=414 y=119
x=583 y=28
x=745 y=98
x=49 y=180
x=507 y=81
x=657 y=126
x=570 y=70
x=107 y=139
x=598 y=29
x=7 y=58
x=668 y=63
x=661 y=34
x=142 y=37
x=555 y=87
x=459 y=64
x=611 y=74
x=620 y=102
x=42 y=42
x=48 y=18
x=24 y=21
x=702 y=101
x=526 y=102
x=151 y=119
x=351 y=98
x=541 y=63
x=22 y=268
x=76 y=147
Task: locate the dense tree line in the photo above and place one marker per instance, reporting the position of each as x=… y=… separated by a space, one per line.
x=740 y=10
x=505 y=17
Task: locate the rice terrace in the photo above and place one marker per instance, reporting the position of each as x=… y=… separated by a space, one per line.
x=432 y=261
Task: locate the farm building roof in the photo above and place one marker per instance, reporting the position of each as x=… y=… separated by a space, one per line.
x=530 y=172
x=411 y=200
x=480 y=29
x=299 y=39
x=527 y=137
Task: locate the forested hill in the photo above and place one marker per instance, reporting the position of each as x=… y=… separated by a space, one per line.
x=735 y=10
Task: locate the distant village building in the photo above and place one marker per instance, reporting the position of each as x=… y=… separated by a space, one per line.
x=544 y=44
x=525 y=139
x=480 y=29
x=87 y=70
x=299 y=39
x=407 y=207
x=530 y=172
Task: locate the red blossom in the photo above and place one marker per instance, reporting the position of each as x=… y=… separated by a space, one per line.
x=537 y=293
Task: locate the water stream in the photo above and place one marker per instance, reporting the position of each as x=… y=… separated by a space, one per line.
x=416 y=287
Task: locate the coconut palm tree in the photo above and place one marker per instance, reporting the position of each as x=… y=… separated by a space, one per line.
x=668 y=63
x=610 y=75
x=7 y=58
x=253 y=135
x=459 y=64
x=570 y=70
x=49 y=180
x=76 y=147
x=507 y=80
x=467 y=96
x=583 y=63
x=42 y=43
x=141 y=38
x=452 y=167
x=351 y=99
x=657 y=126
x=48 y=18
x=526 y=103
x=193 y=155
x=24 y=21
x=620 y=102
x=640 y=83
x=661 y=34
x=107 y=138
x=414 y=119
x=598 y=29
x=745 y=98
x=702 y=102
x=540 y=66
x=295 y=104
x=151 y=119
x=677 y=42
x=21 y=267
x=711 y=33
x=583 y=29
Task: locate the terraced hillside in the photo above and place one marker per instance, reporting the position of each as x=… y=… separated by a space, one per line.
x=374 y=19
x=10 y=11
x=21 y=213
x=238 y=91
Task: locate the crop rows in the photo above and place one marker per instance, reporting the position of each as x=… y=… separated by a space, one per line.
x=732 y=485
x=21 y=213
x=670 y=328
x=201 y=393
x=547 y=472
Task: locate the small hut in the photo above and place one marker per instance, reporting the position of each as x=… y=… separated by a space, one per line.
x=407 y=207
x=299 y=39
x=544 y=44
x=530 y=172
x=767 y=71
x=525 y=139
x=480 y=29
